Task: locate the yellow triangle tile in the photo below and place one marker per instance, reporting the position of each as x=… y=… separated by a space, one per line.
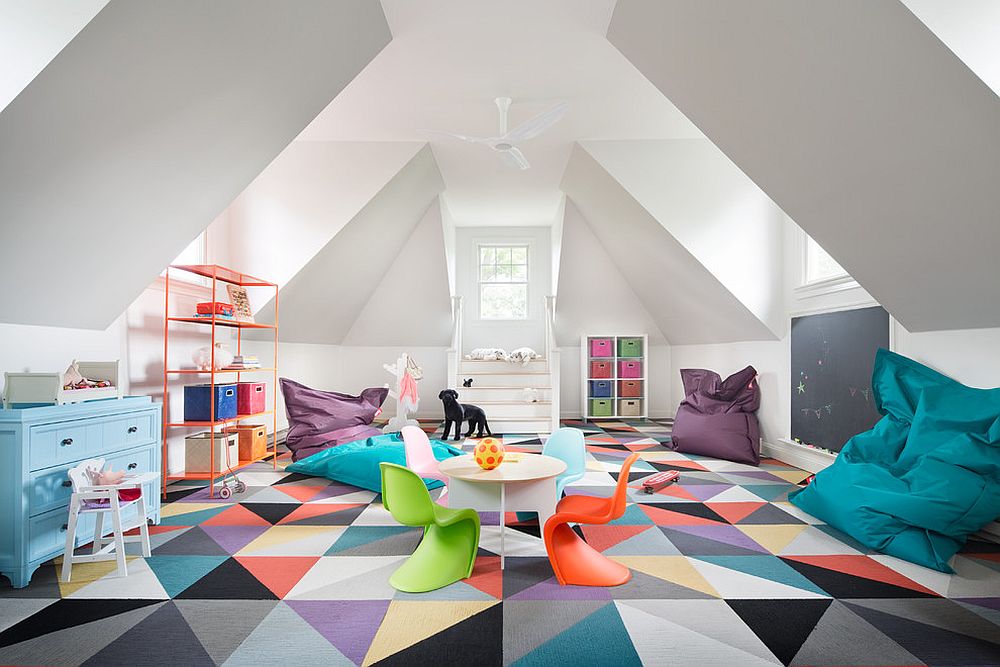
x=176 y=509
x=407 y=622
x=793 y=476
x=85 y=574
x=277 y=535
x=773 y=538
x=676 y=569
x=594 y=466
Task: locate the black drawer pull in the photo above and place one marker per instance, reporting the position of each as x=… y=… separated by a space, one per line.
x=133 y=429
x=64 y=527
x=133 y=466
x=67 y=442
x=67 y=482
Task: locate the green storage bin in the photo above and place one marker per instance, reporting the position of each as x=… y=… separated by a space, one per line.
x=629 y=347
x=601 y=407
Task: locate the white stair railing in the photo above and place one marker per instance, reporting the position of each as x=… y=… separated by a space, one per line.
x=552 y=356
x=455 y=351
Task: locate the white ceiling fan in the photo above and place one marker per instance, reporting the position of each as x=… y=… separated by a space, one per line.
x=505 y=143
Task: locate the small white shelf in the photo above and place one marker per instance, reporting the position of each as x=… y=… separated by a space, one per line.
x=615 y=398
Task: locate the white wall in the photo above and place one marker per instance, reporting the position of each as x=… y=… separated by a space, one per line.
x=505 y=334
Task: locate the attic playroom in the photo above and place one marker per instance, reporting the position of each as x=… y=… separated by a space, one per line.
x=565 y=332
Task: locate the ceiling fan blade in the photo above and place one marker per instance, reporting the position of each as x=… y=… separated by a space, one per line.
x=535 y=126
x=461 y=137
x=515 y=158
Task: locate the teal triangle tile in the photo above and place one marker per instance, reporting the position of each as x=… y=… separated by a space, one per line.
x=771 y=568
x=529 y=624
x=599 y=639
x=176 y=573
x=350 y=625
x=770 y=492
x=360 y=536
x=164 y=633
x=633 y=516
x=193 y=518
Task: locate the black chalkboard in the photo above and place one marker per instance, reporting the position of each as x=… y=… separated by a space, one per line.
x=832 y=358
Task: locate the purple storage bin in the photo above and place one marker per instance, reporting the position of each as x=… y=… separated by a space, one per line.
x=602 y=347
x=630 y=369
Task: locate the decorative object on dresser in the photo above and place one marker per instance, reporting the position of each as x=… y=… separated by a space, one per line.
x=615 y=382
x=39 y=445
x=82 y=381
x=216 y=405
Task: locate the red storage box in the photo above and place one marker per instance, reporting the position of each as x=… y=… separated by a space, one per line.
x=602 y=347
x=600 y=369
x=250 y=398
x=630 y=369
x=205 y=308
x=630 y=388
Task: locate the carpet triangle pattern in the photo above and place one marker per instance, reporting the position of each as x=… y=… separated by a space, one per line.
x=724 y=571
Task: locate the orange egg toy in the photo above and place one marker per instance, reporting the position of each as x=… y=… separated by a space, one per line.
x=488 y=453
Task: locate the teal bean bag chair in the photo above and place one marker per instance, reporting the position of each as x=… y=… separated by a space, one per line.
x=925 y=477
x=357 y=463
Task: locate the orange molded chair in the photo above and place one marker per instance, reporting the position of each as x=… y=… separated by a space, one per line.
x=575 y=561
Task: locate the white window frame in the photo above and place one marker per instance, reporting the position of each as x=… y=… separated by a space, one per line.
x=479 y=279
x=809 y=288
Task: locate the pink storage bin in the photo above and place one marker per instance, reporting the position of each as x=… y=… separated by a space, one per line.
x=250 y=398
x=630 y=369
x=602 y=347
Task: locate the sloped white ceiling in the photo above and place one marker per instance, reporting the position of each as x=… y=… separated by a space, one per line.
x=859 y=123
x=145 y=126
x=322 y=301
x=303 y=199
x=594 y=297
x=412 y=304
x=687 y=302
x=711 y=208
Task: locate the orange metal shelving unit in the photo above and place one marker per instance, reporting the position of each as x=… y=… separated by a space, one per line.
x=217 y=274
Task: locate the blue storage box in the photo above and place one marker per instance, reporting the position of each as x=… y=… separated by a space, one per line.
x=197 y=404
x=600 y=388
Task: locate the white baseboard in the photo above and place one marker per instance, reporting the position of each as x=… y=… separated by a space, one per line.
x=800 y=456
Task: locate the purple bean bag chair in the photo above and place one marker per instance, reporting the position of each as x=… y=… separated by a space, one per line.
x=318 y=420
x=717 y=417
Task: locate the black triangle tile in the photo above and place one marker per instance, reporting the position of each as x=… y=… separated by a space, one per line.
x=933 y=645
x=477 y=640
x=695 y=509
x=180 y=493
x=163 y=633
x=293 y=477
x=632 y=476
x=66 y=614
x=527 y=528
x=845 y=586
x=229 y=581
x=193 y=542
x=271 y=512
x=522 y=573
x=783 y=625
x=341 y=518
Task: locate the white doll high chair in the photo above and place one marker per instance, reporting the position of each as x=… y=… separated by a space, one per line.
x=89 y=498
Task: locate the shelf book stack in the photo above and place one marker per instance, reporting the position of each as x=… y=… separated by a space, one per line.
x=245 y=370
x=614 y=371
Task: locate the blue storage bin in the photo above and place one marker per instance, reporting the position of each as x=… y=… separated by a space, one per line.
x=197 y=404
x=600 y=388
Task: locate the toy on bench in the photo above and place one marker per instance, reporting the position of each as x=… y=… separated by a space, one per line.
x=660 y=480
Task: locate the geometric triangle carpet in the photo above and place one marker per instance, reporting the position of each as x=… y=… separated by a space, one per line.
x=724 y=572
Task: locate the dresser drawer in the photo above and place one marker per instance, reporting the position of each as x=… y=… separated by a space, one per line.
x=48 y=489
x=47 y=534
x=54 y=444
x=122 y=432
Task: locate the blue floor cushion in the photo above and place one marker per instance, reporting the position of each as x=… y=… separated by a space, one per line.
x=925 y=477
x=356 y=463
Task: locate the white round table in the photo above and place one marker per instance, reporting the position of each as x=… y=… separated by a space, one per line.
x=523 y=482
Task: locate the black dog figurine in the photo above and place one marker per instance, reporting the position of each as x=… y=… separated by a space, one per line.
x=467 y=382
x=455 y=413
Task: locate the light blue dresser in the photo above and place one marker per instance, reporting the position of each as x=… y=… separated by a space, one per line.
x=38 y=445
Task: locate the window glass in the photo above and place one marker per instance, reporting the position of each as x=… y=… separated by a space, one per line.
x=503 y=282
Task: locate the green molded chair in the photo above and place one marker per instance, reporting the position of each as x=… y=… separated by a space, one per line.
x=447 y=552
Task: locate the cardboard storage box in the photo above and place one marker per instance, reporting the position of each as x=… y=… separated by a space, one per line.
x=198 y=450
x=252 y=440
x=628 y=407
